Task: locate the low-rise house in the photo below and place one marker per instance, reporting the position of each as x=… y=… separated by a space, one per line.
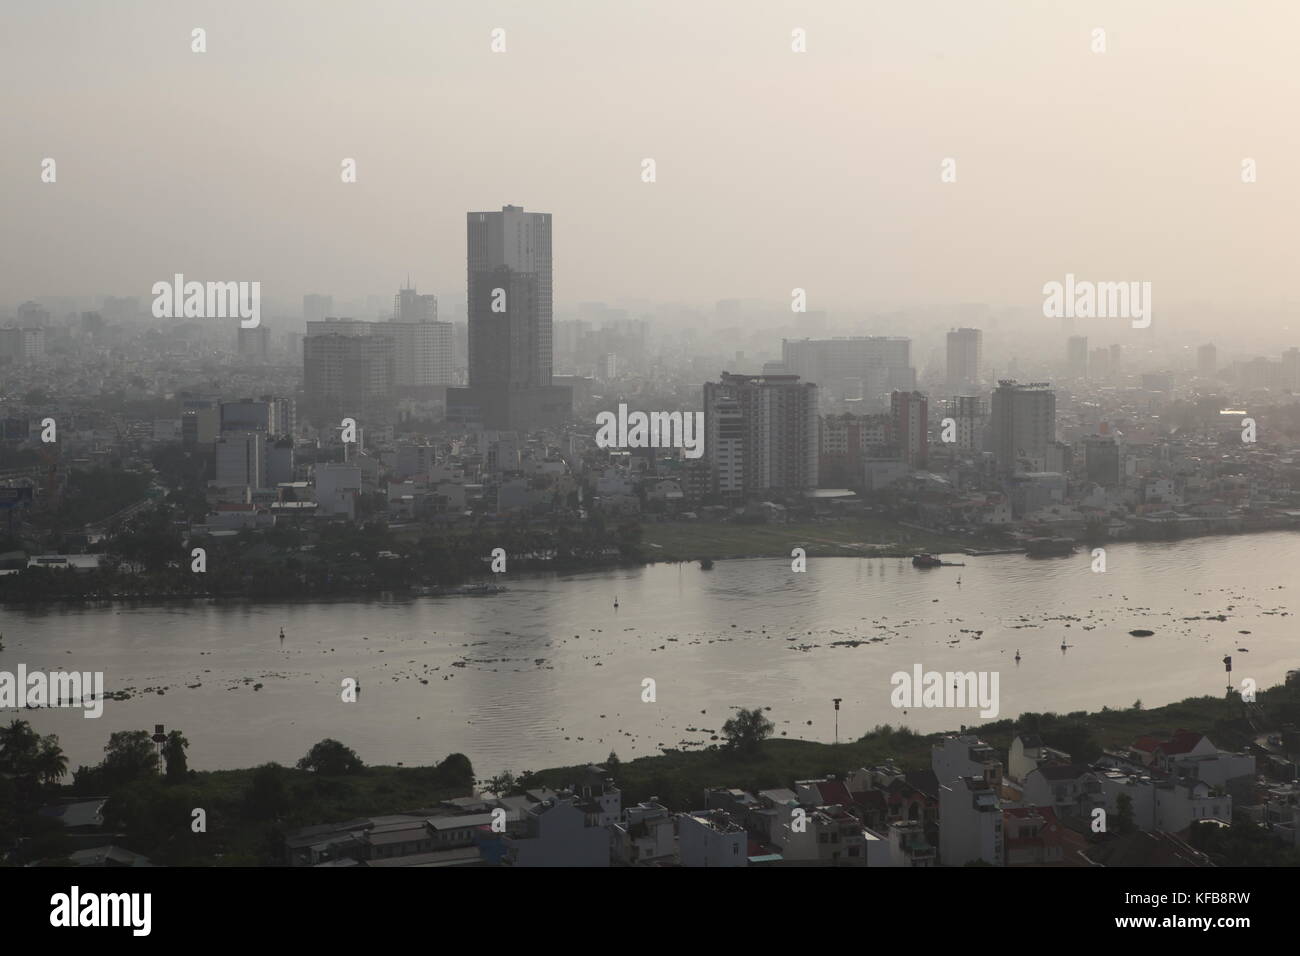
x=830 y=836
x=1028 y=753
x=909 y=846
x=557 y=832
x=711 y=838
x=965 y=755
x=1035 y=837
x=1069 y=789
x=646 y=835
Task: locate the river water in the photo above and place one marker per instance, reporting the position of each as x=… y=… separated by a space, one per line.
x=551 y=673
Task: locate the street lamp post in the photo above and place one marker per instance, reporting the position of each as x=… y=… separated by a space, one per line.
x=837 y=718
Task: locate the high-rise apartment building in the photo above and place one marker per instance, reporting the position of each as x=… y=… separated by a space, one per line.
x=422 y=351
x=866 y=367
x=761 y=433
x=909 y=411
x=425 y=346
x=22 y=346
x=965 y=355
x=970 y=414
x=341 y=370
x=1023 y=425
x=410 y=306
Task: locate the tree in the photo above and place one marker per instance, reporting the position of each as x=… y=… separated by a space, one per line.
x=747 y=730
x=330 y=758
x=173 y=751
x=267 y=797
x=130 y=755
x=1075 y=738
x=51 y=763
x=20 y=748
x=456 y=771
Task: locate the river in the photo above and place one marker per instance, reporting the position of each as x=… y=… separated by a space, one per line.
x=551 y=673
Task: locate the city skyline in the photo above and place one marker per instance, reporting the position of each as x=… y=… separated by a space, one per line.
x=1044 y=185
x=754 y=434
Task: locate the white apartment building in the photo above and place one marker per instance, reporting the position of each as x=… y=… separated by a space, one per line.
x=711 y=838
x=970 y=823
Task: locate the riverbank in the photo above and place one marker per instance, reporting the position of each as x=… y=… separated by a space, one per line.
x=838 y=538
x=250 y=810
x=409 y=561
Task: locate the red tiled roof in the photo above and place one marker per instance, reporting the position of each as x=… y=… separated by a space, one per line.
x=1183 y=742
x=833 y=791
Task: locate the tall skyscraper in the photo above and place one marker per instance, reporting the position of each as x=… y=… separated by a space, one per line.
x=965 y=355
x=509 y=299
x=509 y=292
x=1023 y=425
x=761 y=433
x=910 y=411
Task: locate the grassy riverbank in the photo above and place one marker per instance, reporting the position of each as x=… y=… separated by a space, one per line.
x=679 y=778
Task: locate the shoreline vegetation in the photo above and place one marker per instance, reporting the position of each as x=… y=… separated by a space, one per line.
x=249 y=811
x=339 y=561
x=153 y=560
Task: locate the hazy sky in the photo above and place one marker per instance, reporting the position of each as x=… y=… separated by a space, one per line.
x=775 y=169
